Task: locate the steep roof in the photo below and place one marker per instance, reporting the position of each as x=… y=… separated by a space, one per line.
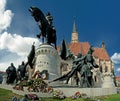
x=101 y=53
x=79 y=47
x=83 y=47
x=117 y=78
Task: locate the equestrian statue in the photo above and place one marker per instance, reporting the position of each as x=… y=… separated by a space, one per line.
x=48 y=31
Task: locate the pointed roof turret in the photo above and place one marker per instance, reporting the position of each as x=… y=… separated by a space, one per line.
x=74 y=26
x=103 y=45
x=74 y=38
x=65 y=52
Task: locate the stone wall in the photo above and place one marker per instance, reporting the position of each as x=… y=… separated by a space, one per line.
x=89 y=91
x=68 y=91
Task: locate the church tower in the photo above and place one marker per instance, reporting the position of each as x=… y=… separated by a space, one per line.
x=74 y=38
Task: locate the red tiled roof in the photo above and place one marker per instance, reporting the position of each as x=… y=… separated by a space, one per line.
x=117 y=78
x=83 y=47
x=79 y=47
x=101 y=53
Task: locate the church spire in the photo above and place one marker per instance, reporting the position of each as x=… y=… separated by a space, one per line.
x=74 y=26
x=74 y=38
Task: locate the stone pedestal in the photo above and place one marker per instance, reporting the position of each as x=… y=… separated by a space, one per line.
x=47 y=59
x=108 y=81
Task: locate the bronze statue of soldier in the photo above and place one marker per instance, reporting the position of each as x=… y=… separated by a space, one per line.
x=11 y=74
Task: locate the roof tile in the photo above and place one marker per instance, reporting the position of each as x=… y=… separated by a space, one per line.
x=83 y=47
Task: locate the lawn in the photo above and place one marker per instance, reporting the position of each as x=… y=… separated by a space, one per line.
x=6 y=95
x=114 y=97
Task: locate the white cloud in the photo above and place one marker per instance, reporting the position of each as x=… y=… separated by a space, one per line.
x=2 y=5
x=17 y=61
x=5 y=16
x=116 y=58
x=16 y=43
x=118 y=69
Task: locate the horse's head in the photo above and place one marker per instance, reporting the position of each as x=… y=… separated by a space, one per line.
x=35 y=12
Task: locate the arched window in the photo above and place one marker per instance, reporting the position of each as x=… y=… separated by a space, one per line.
x=101 y=69
x=95 y=78
x=65 y=67
x=106 y=69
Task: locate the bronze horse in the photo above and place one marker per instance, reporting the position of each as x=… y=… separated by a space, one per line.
x=47 y=30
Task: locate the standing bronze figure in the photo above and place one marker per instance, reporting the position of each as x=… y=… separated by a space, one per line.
x=83 y=65
x=31 y=57
x=21 y=71
x=11 y=74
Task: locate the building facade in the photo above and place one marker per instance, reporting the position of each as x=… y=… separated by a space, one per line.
x=100 y=55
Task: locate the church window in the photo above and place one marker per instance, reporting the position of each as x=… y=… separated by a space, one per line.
x=65 y=67
x=106 y=69
x=45 y=50
x=101 y=69
x=42 y=51
x=95 y=78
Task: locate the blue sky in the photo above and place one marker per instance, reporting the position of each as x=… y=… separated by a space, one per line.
x=96 y=20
